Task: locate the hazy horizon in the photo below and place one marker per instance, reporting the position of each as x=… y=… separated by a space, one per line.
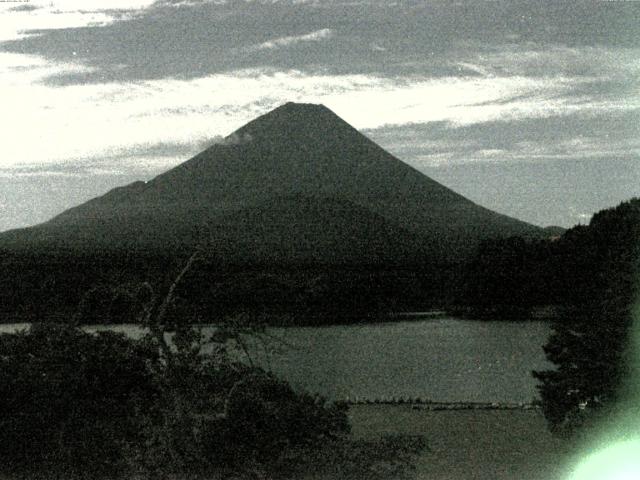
x=529 y=109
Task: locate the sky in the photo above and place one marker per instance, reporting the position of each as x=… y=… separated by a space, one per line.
x=528 y=108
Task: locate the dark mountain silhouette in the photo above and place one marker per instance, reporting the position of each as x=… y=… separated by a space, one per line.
x=298 y=213
x=295 y=185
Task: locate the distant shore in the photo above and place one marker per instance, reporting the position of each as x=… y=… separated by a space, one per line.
x=426 y=404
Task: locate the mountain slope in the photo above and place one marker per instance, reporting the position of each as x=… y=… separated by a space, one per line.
x=293 y=160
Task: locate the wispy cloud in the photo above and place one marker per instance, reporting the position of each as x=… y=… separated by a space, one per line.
x=140 y=40
x=564 y=137
x=62 y=124
x=25 y=7
x=39 y=16
x=316 y=36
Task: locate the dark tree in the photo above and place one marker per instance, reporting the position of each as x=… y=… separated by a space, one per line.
x=590 y=343
x=173 y=404
x=68 y=400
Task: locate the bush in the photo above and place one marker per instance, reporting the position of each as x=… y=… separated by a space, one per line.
x=591 y=344
x=67 y=399
x=82 y=405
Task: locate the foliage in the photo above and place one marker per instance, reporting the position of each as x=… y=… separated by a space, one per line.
x=589 y=344
x=42 y=284
x=67 y=399
x=173 y=404
x=509 y=277
x=90 y=405
x=591 y=273
x=111 y=287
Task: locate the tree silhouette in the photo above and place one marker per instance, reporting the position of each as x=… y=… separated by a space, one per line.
x=590 y=343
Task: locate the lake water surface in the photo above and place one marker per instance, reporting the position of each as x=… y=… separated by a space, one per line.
x=442 y=359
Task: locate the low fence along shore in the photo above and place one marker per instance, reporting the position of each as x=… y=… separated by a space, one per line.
x=427 y=404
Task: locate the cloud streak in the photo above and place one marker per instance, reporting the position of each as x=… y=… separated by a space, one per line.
x=39 y=17
x=569 y=136
x=316 y=36
x=54 y=125
x=146 y=41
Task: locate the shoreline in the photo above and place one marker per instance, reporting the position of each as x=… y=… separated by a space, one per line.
x=430 y=405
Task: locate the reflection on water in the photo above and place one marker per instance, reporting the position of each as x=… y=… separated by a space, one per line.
x=442 y=360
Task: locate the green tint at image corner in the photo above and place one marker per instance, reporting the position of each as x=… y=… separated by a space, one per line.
x=619 y=459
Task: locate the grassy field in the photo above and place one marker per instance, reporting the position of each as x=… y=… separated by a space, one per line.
x=471 y=444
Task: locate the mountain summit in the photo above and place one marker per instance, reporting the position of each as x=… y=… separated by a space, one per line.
x=298 y=184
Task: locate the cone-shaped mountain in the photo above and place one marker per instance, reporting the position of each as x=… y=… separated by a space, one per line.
x=296 y=184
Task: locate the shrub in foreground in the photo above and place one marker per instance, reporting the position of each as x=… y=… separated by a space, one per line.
x=82 y=405
x=68 y=399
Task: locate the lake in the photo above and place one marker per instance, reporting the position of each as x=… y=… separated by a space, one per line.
x=442 y=359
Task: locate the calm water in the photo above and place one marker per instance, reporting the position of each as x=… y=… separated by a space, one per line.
x=442 y=360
